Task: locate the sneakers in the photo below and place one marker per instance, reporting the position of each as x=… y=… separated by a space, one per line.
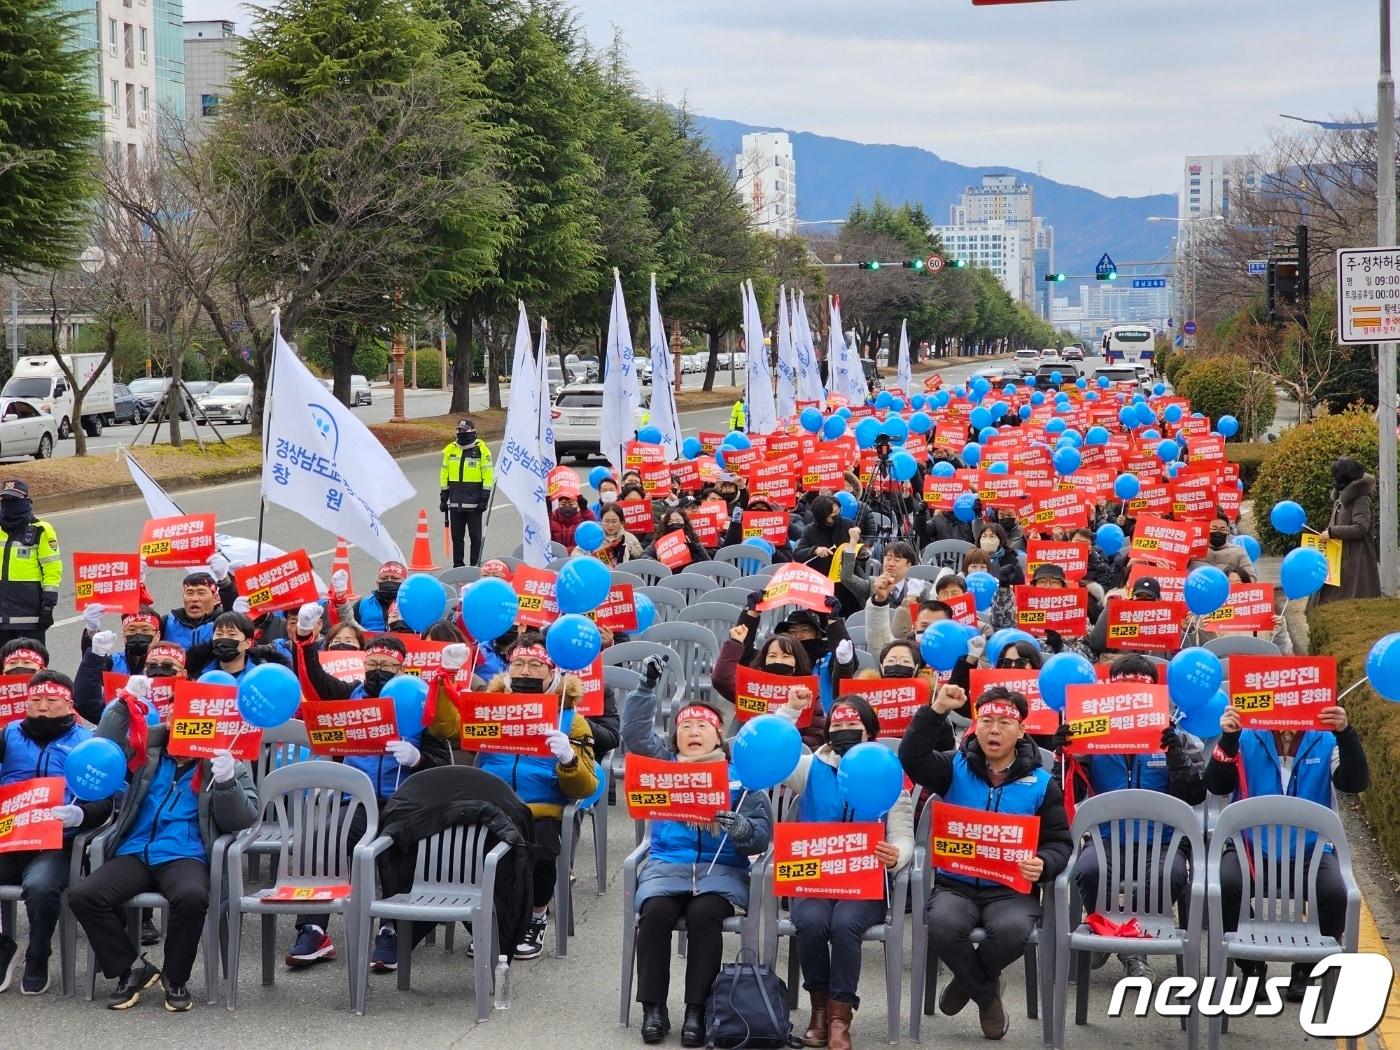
x=149 y=934
x=1136 y=966
x=142 y=974
x=36 y=977
x=312 y=946
x=531 y=946
x=8 y=950
x=177 y=998
x=385 y=958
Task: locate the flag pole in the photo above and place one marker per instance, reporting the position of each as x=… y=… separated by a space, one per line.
x=266 y=419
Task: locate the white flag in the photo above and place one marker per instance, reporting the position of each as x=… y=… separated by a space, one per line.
x=787 y=361
x=546 y=407
x=838 y=364
x=905 y=374
x=664 y=416
x=859 y=389
x=621 y=394
x=527 y=447
x=758 y=388
x=809 y=377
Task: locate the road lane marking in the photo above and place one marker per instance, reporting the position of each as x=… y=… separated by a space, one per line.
x=235 y=521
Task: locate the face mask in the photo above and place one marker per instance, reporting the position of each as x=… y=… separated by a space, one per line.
x=607 y=497
x=386 y=593
x=991 y=545
x=342 y=646
x=137 y=645
x=1008 y=523
x=815 y=648
x=42 y=730
x=17 y=511
x=842 y=740
x=897 y=671
x=568 y=512
x=782 y=669
x=376 y=680
x=225 y=649
x=1218 y=540
x=524 y=684
x=466 y=437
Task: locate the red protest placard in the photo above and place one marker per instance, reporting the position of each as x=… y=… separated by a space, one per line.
x=710 y=520
x=183 y=542
x=1042 y=720
x=1190 y=499
x=205 y=719
x=1154 y=498
x=656 y=479
x=1051 y=508
x=112 y=581
x=796 y=584
x=690 y=792
x=636 y=516
x=1208 y=449
x=830 y=860
x=289 y=891
x=940 y=493
x=963 y=607
x=591 y=677
x=770 y=525
x=618 y=611
x=14 y=698
x=775 y=481
x=1119 y=718
x=423 y=658
x=1282 y=692
x=1172 y=581
x=895 y=700
x=760 y=693
x=999 y=490
x=561 y=481
x=673 y=550
x=277 y=584
x=1061 y=609
x=950 y=435
x=1169 y=543
x=535 y=589
x=686 y=473
x=739 y=460
x=1143 y=626
x=350 y=727
x=346 y=664
x=162 y=691
x=1070 y=556
x=822 y=470
x=636 y=454
x=1249 y=608
x=982 y=844
x=25 y=825
x=508 y=723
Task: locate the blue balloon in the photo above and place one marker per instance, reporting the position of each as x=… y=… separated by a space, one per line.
x=95 y=769
x=1204 y=721
x=1172 y=414
x=1249 y=543
x=983 y=587
x=943 y=469
x=980 y=417
x=1206 y=589
x=896 y=428
x=1159 y=389
x=1055 y=426
x=489 y=608
x=883 y=399
x=1103 y=382
x=845 y=413
x=971 y=453
x=997 y=643
x=1109 y=538
x=999 y=467
x=1303 y=572
x=736 y=439
x=1082 y=383
x=589 y=536
x=1037 y=398
x=1228 y=426
x=867 y=430
x=646 y=611
x=765 y=751
x=920 y=423
x=1127 y=415
x=649 y=435
x=848 y=504
x=943 y=644
x=691 y=447
x=898 y=404
x=269 y=695
x=410 y=696
x=1057 y=377
x=903 y=466
x=1173 y=469
x=1382 y=667
x=1288 y=517
x=1126 y=486
x=1138 y=399
x=1060 y=672
x=582 y=585
x=811 y=419
x=986 y=434
x=1145 y=414
x=1024 y=411
x=217 y=677
x=834 y=427
x=760 y=543
x=869 y=780
x=573 y=641
x=1168 y=450
x=1193 y=676
x=422 y=601
x=598 y=475
x=1066 y=460
x=1073 y=437
x=965 y=507
x=1150 y=434
x=980 y=384
x=917 y=402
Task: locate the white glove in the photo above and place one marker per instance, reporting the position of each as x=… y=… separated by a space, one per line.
x=240 y=605
x=454 y=657
x=139 y=686
x=92 y=617
x=222 y=765
x=560 y=747
x=845 y=651
x=218 y=567
x=405 y=754
x=976 y=646
x=308 y=618
x=71 y=816
x=340 y=581
x=104 y=643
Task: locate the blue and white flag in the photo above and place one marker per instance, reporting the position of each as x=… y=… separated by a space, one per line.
x=664 y=415
x=809 y=376
x=621 y=394
x=838 y=363
x=787 y=361
x=758 y=387
x=859 y=388
x=321 y=462
x=527 y=447
x=905 y=374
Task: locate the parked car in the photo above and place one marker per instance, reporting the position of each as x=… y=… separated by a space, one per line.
x=123 y=404
x=360 y=393
x=148 y=394
x=1026 y=361
x=581 y=369
x=1068 y=374
x=230 y=402
x=578 y=421
x=199 y=387
x=1072 y=353
x=25 y=431
x=1116 y=374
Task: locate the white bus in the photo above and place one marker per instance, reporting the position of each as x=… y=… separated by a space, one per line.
x=1129 y=343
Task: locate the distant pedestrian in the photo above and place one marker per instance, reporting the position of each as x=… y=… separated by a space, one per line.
x=31 y=567
x=1351 y=521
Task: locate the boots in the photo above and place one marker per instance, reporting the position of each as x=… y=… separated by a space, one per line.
x=838 y=1025
x=816 y=1027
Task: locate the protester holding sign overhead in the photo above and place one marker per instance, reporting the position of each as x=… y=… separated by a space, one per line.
x=998 y=770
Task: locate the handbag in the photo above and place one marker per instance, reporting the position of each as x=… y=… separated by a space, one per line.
x=748 y=1007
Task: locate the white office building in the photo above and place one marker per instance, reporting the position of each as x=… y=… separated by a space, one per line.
x=1002 y=203
x=1207 y=185
x=995 y=246
x=211 y=49
x=767 y=181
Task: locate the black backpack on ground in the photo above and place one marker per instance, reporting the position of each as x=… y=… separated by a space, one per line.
x=748 y=1007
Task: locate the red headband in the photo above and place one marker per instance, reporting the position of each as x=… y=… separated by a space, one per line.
x=393 y=570
x=387 y=650
x=843 y=713
x=1148 y=679
x=698 y=713
x=998 y=709
x=149 y=619
x=531 y=652
x=166 y=649
x=50 y=691
x=28 y=655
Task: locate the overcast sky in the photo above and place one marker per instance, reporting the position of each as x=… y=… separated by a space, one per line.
x=1109 y=94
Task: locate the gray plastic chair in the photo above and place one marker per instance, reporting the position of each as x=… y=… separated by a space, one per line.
x=856 y=619
x=859 y=636
x=929 y=573
x=623 y=576
x=865 y=661
x=732 y=595
x=649 y=569
x=556 y=550
x=1135 y=835
x=309 y=805
x=1241 y=645
x=632 y=655
x=11 y=895
x=719 y=617
x=461 y=575
x=454 y=880
x=669 y=602
x=558 y=563
x=1275 y=925
x=697 y=649
x=746 y=557
x=721 y=572
x=946 y=553
x=692 y=585
x=596 y=808
x=756 y=581
x=281 y=746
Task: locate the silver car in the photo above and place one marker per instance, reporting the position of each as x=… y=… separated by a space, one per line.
x=229 y=402
x=578 y=421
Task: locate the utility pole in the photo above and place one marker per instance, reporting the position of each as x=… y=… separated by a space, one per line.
x=1385 y=352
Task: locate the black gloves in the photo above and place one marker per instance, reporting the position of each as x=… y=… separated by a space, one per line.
x=1174 y=748
x=1062 y=737
x=652 y=669
x=751 y=602
x=1007 y=574
x=1054 y=642
x=442 y=501
x=738 y=826
x=833 y=604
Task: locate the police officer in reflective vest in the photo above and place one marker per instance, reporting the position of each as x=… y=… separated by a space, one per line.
x=31 y=567
x=736 y=416
x=465 y=484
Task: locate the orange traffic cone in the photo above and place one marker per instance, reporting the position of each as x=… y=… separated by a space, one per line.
x=422 y=559
x=341 y=563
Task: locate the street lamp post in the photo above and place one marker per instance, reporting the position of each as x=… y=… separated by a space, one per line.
x=677 y=345
x=396 y=353
x=1385 y=352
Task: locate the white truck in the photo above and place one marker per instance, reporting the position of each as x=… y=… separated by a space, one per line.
x=40 y=381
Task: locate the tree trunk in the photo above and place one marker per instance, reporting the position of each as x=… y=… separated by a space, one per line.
x=176 y=393
x=493 y=373
x=461 y=319
x=341 y=339
x=712 y=339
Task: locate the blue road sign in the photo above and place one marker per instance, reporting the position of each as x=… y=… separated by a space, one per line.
x=1106 y=265
x=1258 y=267
x=1149 y=282
x=1189 y=328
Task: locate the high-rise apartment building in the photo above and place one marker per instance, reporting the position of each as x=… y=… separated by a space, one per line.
x=1044 y=235
x=767 y=181
x=995 y=246
x=1002 y=209
x=211 y=56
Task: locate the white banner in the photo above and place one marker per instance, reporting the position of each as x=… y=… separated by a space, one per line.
x=527 y=447
x=758 y=388
x=787 y=360
x=664 y=415
x=905 y=374
x=621 y=394
x=809 y=376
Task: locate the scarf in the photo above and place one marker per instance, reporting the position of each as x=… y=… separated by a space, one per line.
x=137 y=732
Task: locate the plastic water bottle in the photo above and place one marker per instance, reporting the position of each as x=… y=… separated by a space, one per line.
x=502 y=1001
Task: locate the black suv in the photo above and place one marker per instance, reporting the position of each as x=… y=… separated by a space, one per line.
x=1068 y=374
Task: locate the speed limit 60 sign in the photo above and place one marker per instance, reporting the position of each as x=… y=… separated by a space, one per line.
x=934 y=263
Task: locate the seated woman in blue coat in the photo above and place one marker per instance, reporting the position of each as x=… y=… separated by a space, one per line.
x=699 y=874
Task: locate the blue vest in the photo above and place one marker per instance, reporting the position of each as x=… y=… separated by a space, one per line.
x=1022 y=797
x=821 y=801
x=1112 y=772
x=369 y=614
x=383 y=770
x=1310 y=776
x=27 y=759
x=167 y=822
x=533 y=779
x=675 y=843
x=172 y=630
x=119 y=664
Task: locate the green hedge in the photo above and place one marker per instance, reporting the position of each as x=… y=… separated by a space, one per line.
x=1347 y=630
x=1227 y=385
x=429 y=369
x=1249 y=456
x=1299 y=468
x=1175 y=362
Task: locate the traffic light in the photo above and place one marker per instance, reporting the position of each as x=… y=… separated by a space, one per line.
x=913 y=264
x=958 y=264
x=869 y=264
x=1054 y=277
x=1107 y=275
